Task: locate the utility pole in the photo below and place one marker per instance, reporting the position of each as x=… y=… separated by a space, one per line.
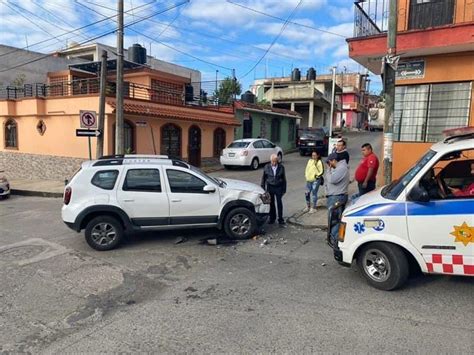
x=101 y=121
x=389 y=88
x=333 y=97
x=119 y=146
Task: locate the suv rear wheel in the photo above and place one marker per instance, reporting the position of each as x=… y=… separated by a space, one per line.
x=240 y=223
x=104 y=233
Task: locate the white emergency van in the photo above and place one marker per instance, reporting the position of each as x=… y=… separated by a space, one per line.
x=425 y=217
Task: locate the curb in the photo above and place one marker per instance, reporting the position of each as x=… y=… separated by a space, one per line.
x=36 y=193
x=293 y=220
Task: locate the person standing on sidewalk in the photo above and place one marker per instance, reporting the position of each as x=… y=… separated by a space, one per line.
x=341 y=150
x=366 y=172
x=274 y=182
x=337 y=184
x=314 y=177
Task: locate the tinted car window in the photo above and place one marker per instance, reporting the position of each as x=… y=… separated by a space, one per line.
x=267 y=144
x=142 y=180
x=258 y=144
x=181 y=181
x=238 y=145
x=105 y=179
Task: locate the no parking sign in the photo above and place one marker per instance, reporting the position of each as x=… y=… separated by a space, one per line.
x=88 y=119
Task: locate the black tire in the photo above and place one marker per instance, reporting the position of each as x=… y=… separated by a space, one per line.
x=280 y=157
x=254 y=164
x=240 y=223
x=104 y=233
x=227 y=167
x=383 y=265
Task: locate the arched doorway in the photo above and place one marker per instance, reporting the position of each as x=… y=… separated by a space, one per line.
x=219 y=141
x=194 y=146
x=170 y=140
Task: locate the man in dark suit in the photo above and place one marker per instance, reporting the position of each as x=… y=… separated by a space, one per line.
x=274 y=182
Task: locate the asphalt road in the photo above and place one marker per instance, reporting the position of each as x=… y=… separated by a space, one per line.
x=60 y=296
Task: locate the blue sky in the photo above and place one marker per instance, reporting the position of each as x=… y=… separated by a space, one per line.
x=196 y=33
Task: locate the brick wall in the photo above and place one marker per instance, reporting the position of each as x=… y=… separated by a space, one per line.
x=35 y=166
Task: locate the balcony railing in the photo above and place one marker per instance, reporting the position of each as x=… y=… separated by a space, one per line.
x=370 y=17
x=131 y=91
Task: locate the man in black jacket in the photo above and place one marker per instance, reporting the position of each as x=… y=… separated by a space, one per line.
x=274 y=182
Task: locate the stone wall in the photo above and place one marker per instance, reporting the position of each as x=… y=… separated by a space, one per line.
x=35 y=166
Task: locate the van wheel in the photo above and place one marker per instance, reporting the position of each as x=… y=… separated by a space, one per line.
x=383 y=265
x=104 y=233
x=255 y=163
x=240 y=223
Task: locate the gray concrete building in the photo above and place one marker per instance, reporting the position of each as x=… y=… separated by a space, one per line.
x=310 y=98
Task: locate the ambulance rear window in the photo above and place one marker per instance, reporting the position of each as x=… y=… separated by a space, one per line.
x=392 y=190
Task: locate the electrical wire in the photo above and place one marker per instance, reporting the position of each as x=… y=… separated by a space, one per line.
x=167 y=45
x=96 y=37
x=274 y=40
x=74 y=30
x=208 y=35
x=282 y=19
x=30 y=21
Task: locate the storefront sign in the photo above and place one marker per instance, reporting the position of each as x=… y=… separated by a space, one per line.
x=411 y=70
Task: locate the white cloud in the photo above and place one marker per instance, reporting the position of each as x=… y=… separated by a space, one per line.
x=341 y=13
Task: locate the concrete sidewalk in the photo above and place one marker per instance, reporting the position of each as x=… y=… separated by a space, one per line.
x=55 y=188
x=319 y=218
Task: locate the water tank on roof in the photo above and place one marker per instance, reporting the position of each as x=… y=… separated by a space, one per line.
x=296 y=75
x=137 y=54
x=248 y=97
x=188 y=93
x=311 y=74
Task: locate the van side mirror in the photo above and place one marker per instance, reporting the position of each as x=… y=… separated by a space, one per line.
x=419 y=194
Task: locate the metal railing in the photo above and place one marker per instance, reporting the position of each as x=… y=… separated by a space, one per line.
x=370 y=17
x=198 y=96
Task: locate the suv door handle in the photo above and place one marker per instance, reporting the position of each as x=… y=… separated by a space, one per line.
x=128 y=200
x=176 y=200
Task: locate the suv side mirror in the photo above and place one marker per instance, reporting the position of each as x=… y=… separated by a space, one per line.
x=418 y=194
x=209 y=188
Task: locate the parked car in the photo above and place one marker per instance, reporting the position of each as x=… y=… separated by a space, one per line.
x=4 y=186
x=249 y=152
x=118 y=194
x=310 y=139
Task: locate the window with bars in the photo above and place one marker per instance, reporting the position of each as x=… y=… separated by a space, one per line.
x=11 y=134
x=423 y=112
x=168 y=93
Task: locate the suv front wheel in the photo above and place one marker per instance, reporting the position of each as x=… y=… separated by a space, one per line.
x=240 y=223
x=104 y=233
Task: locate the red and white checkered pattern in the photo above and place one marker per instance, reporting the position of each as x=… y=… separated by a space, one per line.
x=450 y=264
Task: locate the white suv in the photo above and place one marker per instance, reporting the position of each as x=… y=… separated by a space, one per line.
x=151 y=192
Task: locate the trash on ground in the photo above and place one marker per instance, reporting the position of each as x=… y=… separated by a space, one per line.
x=179 y=240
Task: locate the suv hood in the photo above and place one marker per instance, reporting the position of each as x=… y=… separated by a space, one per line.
x=243 y=185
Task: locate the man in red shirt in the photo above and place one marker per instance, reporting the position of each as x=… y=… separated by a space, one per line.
x=366 y=172
x=467 y=191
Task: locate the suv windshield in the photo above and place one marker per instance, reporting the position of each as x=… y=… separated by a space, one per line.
x=392 y=190
x=313 y=134
x=205 y=176
x=238 y=145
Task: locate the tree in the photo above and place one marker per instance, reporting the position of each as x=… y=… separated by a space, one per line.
x=19 y=80
x=227 y=89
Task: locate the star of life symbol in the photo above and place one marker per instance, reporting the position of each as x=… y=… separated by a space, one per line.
x=359 y=228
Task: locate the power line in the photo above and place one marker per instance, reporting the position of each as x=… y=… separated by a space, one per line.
x=203 y=34
x=167 y=45
x=30 y=21
x=74 y=30
x=274 y=40
x=282 y=19
x=96 y=37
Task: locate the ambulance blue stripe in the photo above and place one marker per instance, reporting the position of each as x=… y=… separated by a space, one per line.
x=417 y=209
